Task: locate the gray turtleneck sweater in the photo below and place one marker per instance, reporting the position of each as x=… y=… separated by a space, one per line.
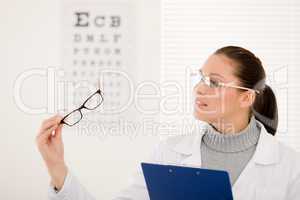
x=230 y=152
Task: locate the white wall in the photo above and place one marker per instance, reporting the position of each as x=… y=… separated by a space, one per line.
x=192 y=30
x=30 y=38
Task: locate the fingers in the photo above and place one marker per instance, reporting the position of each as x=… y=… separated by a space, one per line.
x=50 y=123
x=44 y=137
x=47 y=127
x=58 y=132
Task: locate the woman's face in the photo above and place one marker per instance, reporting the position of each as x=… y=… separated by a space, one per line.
x=213 y=104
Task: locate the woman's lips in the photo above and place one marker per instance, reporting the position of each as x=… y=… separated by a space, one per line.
x=200 y=104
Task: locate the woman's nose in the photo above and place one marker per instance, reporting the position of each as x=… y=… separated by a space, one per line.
x=201 y=89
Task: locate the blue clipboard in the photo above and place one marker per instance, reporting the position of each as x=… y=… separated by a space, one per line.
x=169 y=182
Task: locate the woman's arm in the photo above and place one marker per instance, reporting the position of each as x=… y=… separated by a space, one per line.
x=68 y=186
x=71 y=189
x=50 y=144
x=136 y=189
x=294 y=186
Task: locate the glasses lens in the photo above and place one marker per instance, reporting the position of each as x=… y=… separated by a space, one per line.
x=94 y=101
x=73 y=118
x=208 y=81
x=204 y=79
x=195 y=78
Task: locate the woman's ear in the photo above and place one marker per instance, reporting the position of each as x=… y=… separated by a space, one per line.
x=246 y=99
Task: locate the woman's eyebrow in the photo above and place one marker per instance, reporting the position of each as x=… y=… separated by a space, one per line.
x=213 y=74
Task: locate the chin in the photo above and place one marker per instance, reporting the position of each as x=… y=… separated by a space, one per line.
x=206 y=117
x=200 y=116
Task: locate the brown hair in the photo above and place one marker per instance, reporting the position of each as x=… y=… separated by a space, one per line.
x=251 y=74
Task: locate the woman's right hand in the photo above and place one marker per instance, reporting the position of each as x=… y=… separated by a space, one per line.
x=50 y=145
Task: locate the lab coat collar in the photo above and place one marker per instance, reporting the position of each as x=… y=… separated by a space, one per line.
x=267 y=152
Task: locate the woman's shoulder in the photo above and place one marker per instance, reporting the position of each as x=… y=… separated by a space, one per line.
x=178 y=144
x=288 y=154
x=272 y=146
x=171 y=149
x=289 y=161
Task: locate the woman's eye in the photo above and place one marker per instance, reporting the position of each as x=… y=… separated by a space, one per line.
x=214 y=83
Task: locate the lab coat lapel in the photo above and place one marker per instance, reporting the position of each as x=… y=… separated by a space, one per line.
x=190 y=147
x=251 y=181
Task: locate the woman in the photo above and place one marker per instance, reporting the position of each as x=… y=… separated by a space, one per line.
x=240 y=112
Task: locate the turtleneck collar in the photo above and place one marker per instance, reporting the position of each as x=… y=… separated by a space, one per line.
x=235 y=142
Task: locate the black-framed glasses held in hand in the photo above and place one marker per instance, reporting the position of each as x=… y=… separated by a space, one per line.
x=91 y=103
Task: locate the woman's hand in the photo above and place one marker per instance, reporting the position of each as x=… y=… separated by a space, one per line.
x=50 y=145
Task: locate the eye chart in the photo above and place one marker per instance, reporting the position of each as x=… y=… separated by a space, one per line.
x=98 y=49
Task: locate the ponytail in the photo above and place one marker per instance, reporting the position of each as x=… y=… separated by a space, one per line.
x=251 y=74
x=265 y=109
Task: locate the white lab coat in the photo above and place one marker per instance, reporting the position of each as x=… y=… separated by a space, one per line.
x=273 y=173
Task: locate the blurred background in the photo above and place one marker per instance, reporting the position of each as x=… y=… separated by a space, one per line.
x=53 y=53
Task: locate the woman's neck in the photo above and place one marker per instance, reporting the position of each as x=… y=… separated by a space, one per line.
x=232 y=125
